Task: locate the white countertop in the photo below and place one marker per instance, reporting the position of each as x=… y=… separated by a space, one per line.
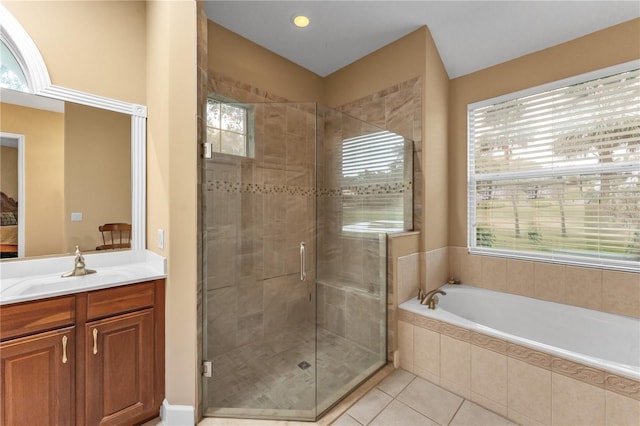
x=33 y=279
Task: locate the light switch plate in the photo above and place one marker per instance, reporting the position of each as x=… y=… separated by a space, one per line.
x=161 y=238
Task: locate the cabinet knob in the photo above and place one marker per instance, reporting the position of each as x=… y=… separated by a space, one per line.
x=95 y=341
x=64 y=349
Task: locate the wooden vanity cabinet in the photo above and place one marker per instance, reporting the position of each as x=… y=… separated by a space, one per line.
x=102 y=364
x=37 y=379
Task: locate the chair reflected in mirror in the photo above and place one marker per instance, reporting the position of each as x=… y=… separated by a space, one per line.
x=115 y=236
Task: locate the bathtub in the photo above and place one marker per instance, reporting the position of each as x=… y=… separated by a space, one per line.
x=604 y=341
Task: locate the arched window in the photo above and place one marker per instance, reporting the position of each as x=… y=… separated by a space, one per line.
x=21 y=65
x=11 y=74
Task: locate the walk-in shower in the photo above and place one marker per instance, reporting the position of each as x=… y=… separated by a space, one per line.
x=297 y=200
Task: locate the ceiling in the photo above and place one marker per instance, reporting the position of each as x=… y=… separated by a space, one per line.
x=469 y=35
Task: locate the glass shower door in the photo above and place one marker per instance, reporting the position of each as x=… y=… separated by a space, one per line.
x=259 y=283
x=297 y=200
x=364 y=185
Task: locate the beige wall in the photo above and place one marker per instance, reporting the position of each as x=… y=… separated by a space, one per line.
x=9 y=171
x=172 y=179
x=97 y=180
x=44 y=175
x=434 y=150
x=237 y=57
x=601 y=49
x=394 y=63
x=92 y=46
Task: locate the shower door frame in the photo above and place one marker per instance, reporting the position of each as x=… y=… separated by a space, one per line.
x=287 y=193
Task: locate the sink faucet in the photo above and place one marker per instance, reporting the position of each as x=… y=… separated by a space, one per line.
x=431 y=298
x=78 y=266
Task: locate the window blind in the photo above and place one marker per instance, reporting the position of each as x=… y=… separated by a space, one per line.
x=554 y=174
x=372 y=182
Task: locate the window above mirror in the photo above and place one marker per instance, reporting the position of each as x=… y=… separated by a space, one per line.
x=11 y=74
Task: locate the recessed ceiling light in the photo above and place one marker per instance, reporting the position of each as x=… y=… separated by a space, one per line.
x=300 y=21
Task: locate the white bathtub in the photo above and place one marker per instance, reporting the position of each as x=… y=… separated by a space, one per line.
x=598 y=339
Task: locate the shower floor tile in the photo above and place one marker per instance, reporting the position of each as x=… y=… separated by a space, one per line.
x=266 y=375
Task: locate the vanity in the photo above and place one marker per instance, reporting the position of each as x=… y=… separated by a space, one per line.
x=88 y=349
x=82 y=350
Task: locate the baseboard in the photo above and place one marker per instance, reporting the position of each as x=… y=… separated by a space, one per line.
x=177 y=415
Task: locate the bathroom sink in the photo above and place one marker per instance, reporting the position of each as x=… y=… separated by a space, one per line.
x=58 y=285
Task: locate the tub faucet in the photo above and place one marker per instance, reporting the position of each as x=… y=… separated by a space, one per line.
x=431 y=298
x=78 y=266
x=421 y=294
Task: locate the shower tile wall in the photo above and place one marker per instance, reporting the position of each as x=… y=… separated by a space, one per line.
x=264 y=209
x=359 y=262
x=351 y=268
x=398 y=109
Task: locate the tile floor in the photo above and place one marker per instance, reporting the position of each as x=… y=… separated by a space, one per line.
x=400 y=399
x=405 y=399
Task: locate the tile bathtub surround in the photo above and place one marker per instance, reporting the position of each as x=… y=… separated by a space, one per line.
x=600 y=289
x=436 y=264
x=405 y=399
x=428 y=271
x=527 y=386
x=408 y=277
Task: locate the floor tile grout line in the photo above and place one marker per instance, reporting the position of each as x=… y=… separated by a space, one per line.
x=354 y=419
x=383 y=408
x=413 y=409
x=401 y=390
x=457 y=411
x=414 y=378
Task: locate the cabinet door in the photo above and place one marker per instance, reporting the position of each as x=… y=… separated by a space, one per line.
x=37 y=379
x=119 y=362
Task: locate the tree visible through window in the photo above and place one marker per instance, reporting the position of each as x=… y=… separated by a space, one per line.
x=372 y=182
x=11 y=74
x=227 y=127
x=554 y=173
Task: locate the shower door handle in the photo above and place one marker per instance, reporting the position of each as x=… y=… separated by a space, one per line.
x=303 y=262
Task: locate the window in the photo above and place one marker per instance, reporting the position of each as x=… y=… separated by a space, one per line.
x=554 y=172
x=11 y=74
x=228 y=128
x=372 y=183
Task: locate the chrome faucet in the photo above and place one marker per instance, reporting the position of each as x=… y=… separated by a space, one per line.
x=78 y=266
x=431 y=298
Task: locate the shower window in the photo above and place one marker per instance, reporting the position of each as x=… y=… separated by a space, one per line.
x=372 y=183
x=228 y=127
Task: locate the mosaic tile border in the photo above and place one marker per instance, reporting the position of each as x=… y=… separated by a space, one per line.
x=347 y=191
x=592 y=376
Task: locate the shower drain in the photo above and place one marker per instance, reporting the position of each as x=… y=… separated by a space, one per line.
x=304 y=365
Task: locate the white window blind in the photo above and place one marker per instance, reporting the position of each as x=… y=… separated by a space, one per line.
x=554 y=173
x=372 y=183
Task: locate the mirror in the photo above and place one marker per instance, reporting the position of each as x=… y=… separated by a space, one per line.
x=79 y=166
x=75 y=173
